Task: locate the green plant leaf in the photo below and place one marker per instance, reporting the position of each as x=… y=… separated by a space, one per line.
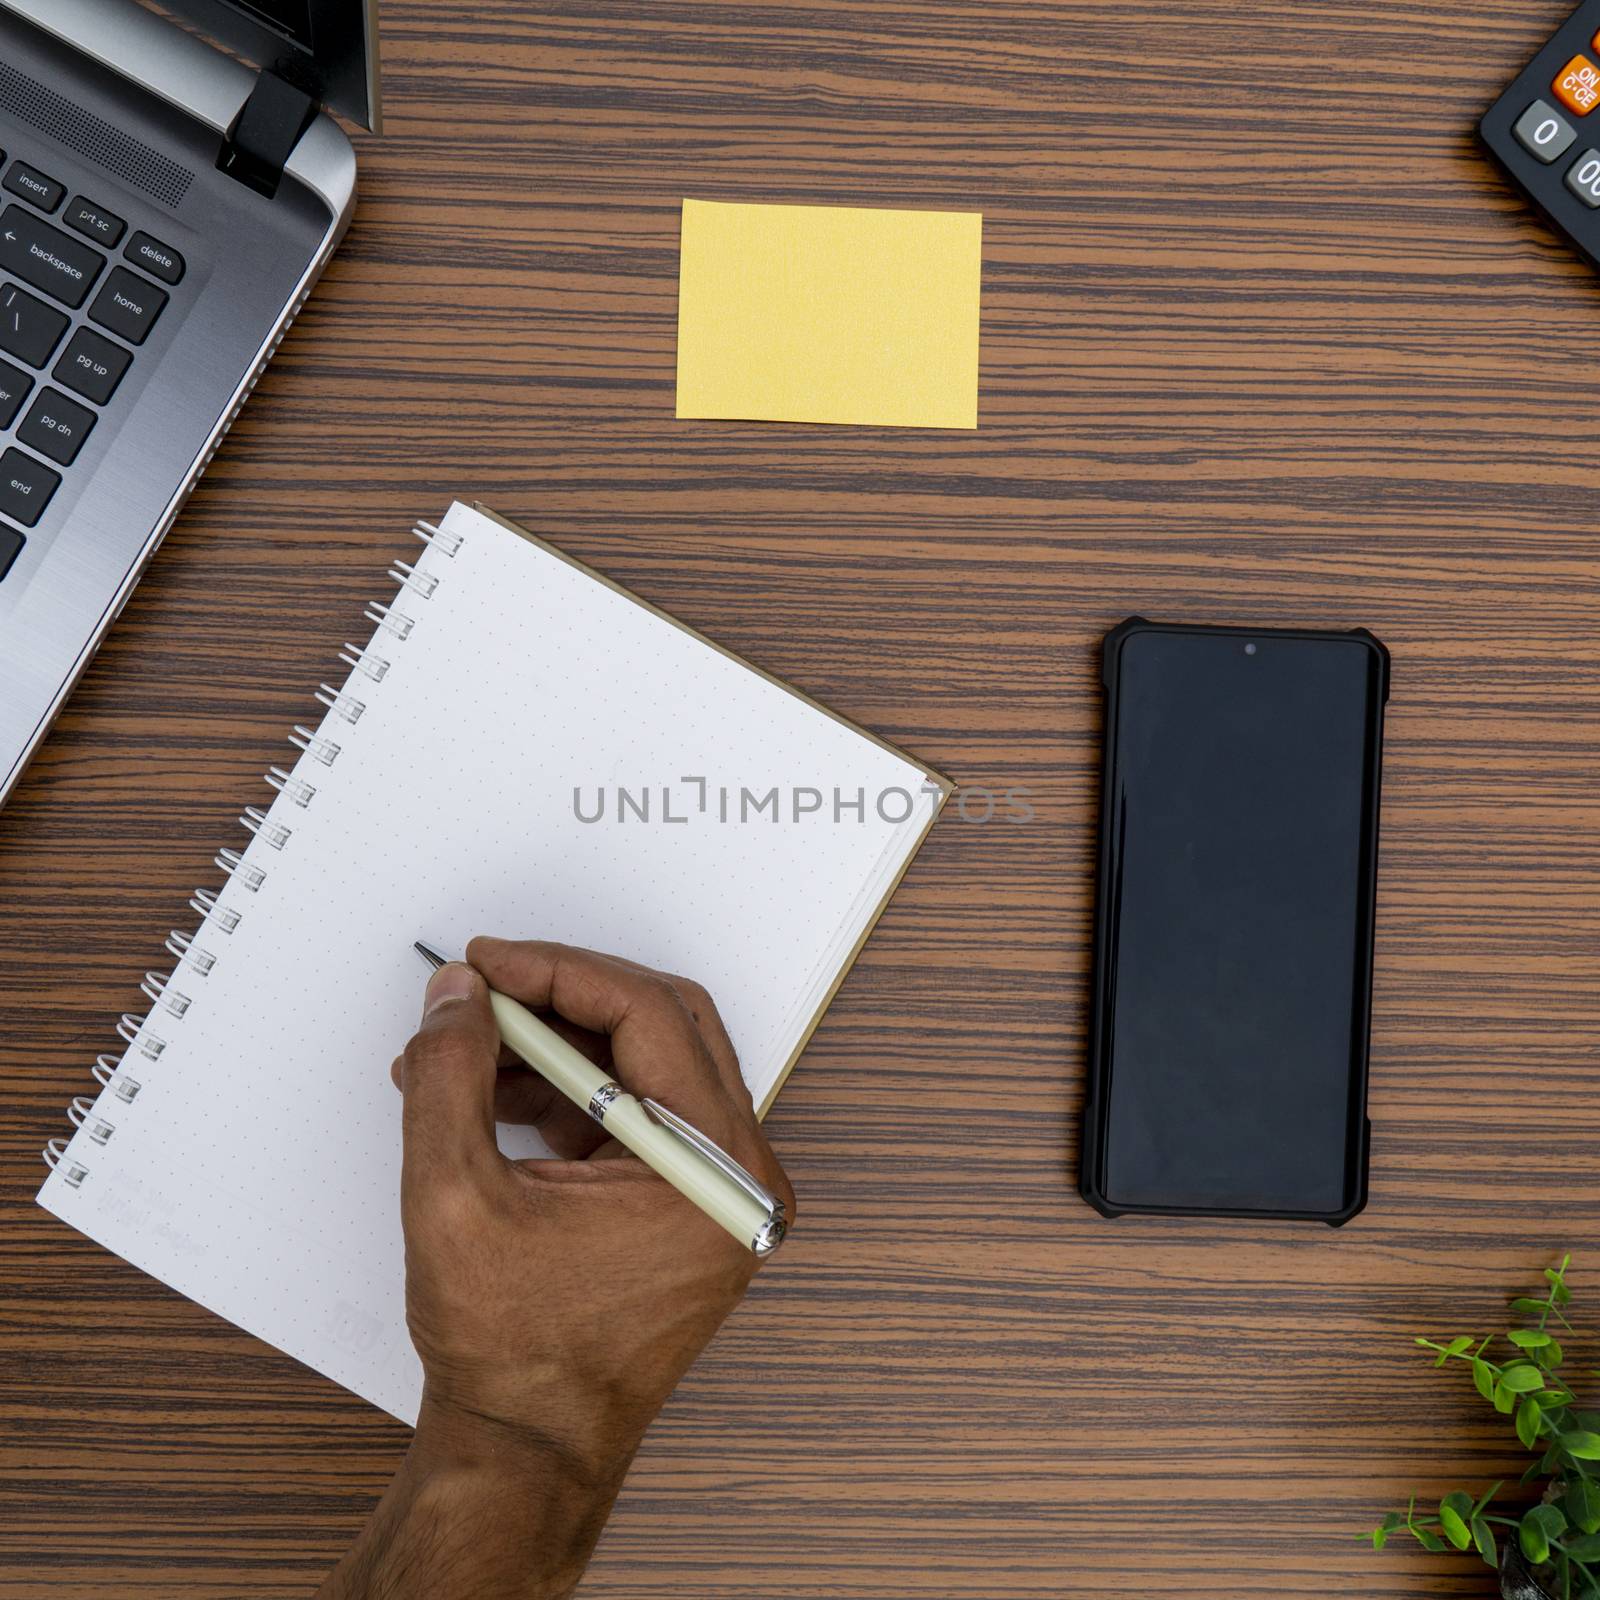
x=1559 y=1292
x=1528 y=1308
x=1431 y=1542
x=1550 y=1356
x=1528 y=1415
x=1521 y=1380
x=1586 y=1548
x=1529 y=1338
x=1455 y=1529
x=1483 y=1537
x=1483 y=1378
x=1552 y=1519
x=1583 y=1505
x=1580 y=1445
x=1535 y=1546
x=1537 y=1470
x=1504 y=1400
x=1380 y=1535
x=1553 y=1399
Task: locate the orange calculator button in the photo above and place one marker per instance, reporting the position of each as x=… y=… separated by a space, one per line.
x=1577 y=85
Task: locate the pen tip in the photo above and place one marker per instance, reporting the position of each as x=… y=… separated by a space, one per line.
x=431 y=956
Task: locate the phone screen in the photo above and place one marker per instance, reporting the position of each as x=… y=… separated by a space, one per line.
x=1235 y=974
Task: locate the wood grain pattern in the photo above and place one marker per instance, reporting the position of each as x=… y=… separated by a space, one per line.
x=1264 y=338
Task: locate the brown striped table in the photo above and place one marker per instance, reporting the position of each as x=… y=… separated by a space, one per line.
x=1264 y=339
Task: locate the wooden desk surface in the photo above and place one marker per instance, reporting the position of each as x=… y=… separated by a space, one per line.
x=1291 y=354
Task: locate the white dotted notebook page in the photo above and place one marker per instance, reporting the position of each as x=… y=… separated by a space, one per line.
x=493 y=782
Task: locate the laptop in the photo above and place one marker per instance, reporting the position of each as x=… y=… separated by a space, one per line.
x=171 y=188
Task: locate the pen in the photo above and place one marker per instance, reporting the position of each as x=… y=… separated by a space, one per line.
x=678 y=1152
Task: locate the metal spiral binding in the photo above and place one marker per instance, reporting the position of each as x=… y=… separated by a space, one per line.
x=109 y=1071
x=273 y=833
x=182 y=946
x=55 y=1155
x=81 y=1115
x=132 y=1031
x=448 y=543
x=105 y=1073
x=423 y=583
x=323 y=750
x=396 y=622
x=233 y=864
x=301 y=793
x=160 y=990
x=207 y=904
x=364 y=661
x=346 y=705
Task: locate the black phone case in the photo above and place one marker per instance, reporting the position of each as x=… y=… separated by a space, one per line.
x=1355 y=1154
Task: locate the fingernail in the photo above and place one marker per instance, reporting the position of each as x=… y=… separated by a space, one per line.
x=451 y=982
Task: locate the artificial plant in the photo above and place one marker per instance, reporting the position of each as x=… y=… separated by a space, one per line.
x=1560 y=1536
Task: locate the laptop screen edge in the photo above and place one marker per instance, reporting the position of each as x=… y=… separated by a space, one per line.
x=329 y=48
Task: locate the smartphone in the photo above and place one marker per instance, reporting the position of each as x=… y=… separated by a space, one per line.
x=1234 y=924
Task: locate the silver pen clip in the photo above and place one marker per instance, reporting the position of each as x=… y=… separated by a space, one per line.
x=776 y=1225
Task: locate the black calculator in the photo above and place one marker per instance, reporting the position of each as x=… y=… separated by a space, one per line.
x=1545 y=129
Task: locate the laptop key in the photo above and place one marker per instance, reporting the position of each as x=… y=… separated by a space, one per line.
x=29 y=329
x=56 y=427
x=94 y=222
x=128 y=306
x=46 y=257
x=26 y=486
x=11 y=543
x=14 y=387
x=159 y=260
x=91 y=366
x=32 y=185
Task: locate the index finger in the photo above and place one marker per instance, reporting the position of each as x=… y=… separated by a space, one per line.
x=657 y=1048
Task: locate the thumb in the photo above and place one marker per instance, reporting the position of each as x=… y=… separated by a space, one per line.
x=447 y=1075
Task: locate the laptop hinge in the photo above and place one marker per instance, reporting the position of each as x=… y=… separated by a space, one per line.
x=265 y=133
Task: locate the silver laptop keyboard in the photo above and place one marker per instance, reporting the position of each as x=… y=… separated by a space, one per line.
x=56 y=259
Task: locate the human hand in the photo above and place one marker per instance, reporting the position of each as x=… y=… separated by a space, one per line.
x=554 y=1303
x=567 y=1296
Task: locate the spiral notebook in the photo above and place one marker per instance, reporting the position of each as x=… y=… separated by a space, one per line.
x=521 y=748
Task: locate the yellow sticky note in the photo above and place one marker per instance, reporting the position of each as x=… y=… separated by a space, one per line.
x=829 y=314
